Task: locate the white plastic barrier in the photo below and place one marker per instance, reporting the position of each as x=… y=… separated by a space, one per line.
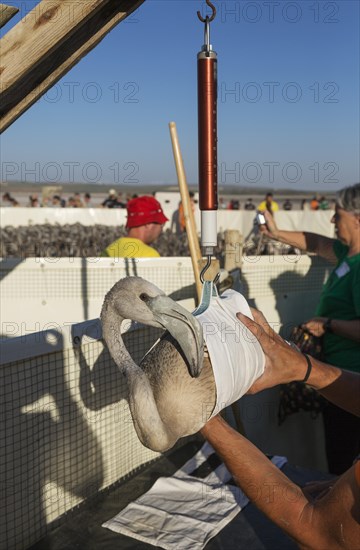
x=317 y=222
x=42 y=293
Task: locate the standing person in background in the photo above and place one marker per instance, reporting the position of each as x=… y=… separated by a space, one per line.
x=57 y=202
x=305 y=205
x=87 y=200
x=78 y=201
x=111 y=199
x=71 y=203
x=323 y=205
x=145 y=220
x=314 y=204
x=34 y=201
x=287 y=205
x=337 y=317
x=234 y=204
x=175 y=221
x=249 y=205
x=9 y=199
x=182 y=224
x=222 y=203
x=120 y=203
x=268 y=204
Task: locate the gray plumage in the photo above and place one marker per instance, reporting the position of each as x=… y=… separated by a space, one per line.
x=172 y=392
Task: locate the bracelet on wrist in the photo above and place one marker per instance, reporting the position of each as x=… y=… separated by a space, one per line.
x=309 y=367
x=327 y=325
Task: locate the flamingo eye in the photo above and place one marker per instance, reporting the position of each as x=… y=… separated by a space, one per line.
x=144 y=297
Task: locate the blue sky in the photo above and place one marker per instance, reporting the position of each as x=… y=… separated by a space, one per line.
x=288 y=109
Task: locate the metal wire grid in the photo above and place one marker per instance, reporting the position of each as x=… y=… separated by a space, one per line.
x=75 y=281
x=269 y=276
x=263 y=274
x=66 y=433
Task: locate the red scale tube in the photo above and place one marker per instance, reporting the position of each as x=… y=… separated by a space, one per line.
x=207 y=139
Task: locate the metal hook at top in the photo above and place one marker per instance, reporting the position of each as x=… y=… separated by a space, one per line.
x=205 y=268
x=208 y=19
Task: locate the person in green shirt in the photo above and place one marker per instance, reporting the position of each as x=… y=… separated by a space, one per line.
x=337 y=317
x=145 y=221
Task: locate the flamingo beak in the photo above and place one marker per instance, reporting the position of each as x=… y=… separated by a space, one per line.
x=183 y=327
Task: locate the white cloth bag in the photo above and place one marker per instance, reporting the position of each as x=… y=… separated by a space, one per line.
x=236 y=356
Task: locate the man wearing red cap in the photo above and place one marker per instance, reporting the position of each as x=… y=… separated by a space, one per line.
x=145 y=220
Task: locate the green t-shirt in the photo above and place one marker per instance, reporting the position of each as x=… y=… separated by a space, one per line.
x=127 y=247
x=340 y=299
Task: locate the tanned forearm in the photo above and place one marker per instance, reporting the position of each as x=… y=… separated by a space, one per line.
x=339 y=386
x=309 y=242
x=346 y=329
x=278 y=497
x=264 y=484
x=293 y=238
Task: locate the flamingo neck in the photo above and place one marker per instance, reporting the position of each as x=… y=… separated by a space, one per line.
x=149 y=426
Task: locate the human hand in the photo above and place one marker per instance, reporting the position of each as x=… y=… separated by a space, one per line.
x=282 y=362
x=270 y=228
x=315 y=326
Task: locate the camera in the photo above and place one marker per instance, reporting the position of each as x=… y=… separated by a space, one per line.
x=260 y=219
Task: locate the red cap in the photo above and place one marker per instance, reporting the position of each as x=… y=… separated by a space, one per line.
x=143 y=210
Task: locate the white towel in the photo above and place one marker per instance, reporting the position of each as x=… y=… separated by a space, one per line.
x=237 y=358
x=188 y=509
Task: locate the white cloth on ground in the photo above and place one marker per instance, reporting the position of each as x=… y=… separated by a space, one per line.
x=185 y=510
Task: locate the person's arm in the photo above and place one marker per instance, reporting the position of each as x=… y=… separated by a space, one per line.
x=327 y=524
x=310 y=242
x=284 y=364
x=340 y=327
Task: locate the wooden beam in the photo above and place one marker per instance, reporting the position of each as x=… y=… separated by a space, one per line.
x=47 y=43
x=6 y=13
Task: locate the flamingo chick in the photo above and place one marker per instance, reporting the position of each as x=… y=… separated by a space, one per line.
x=172 y=392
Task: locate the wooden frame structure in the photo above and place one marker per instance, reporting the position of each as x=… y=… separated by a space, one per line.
x=6 y=13
x=47 y=43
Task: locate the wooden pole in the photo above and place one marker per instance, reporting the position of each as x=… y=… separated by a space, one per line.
x=190 y=225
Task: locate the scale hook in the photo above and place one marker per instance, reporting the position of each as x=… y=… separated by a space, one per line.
x=212 y=17
x=205 y=268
